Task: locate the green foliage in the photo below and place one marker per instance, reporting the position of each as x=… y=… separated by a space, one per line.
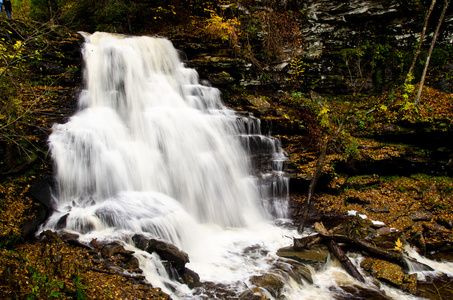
x=408 y=105
x=350 y=146
x=79 y=288
x=377 y=54
x=39 y=9
x=297 y=69
x=16 y=102
x=41 y=286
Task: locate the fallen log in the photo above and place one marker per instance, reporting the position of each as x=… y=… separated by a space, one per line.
x=391 y=256
x=308 y=241
x=395 y=257
x=338 y=253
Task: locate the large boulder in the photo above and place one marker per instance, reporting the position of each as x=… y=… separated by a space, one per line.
x=174 y=259
x=169 y=252
x=390 y=273
x=41 y=193
x=314 y=256
x=270 y=282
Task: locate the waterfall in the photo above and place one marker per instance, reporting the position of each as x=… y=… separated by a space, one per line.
x=153 y=151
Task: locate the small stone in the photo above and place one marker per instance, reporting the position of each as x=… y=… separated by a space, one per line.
x=111 y=249
x=279 y=112
x=383 y=231
x=220 y=78
x=270 y=282
x=421 y=216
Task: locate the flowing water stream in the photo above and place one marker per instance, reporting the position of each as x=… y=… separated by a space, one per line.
x=152 y=151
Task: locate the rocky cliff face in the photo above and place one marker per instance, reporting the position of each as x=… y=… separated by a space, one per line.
x=343 y=42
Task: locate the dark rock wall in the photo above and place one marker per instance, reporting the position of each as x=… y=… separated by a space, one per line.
x=386 y=31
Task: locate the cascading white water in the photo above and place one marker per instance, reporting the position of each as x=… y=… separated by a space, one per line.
x=151 y=151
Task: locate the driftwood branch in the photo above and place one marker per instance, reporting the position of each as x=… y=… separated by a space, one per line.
x=308 y=241
x=392 y=256
x=338 y=253
x=331 y=240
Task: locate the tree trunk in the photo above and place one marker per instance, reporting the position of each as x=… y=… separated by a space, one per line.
x=322 y=156
x=420 y=42
x=422 y=81
x=313 y=182
x=49 y=7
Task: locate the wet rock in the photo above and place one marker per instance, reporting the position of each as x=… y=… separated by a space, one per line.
x=260 y=104
x=420 y=216
x=50 y=236
x=297 y=271
x=270 y=282
x=132 y=263
x=427 y=289
x=95 y=244
x=220 y=78
x=113 y=248
x=390 y=273
x=174 y=259
x=191 y=278
x=140 y=241
x=305 y=272
x=168 y=252
x=62 y=221
x=383 y=231
x=438 y=238
x=113 y=255
x=311 y=256
x=447 y=223
x=40 y=192
x=418 y=240
x=73 y=239
x=68 y=236
x=250 y=295
x=362 y=293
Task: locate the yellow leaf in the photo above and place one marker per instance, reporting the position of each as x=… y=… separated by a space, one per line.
x=398 y=244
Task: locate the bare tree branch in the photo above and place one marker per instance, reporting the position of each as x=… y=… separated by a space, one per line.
x=433 y=42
